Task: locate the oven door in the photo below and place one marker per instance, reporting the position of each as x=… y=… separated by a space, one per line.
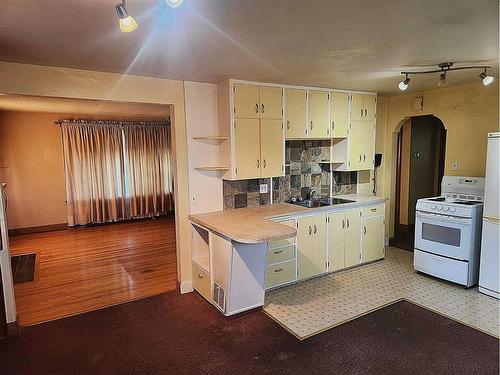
x=444 y=235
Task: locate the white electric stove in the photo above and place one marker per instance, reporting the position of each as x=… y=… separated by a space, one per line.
x=448 y=231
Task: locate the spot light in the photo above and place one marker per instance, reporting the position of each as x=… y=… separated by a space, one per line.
x=487 y=80
x=174 y=3
x=127 y=22
x=403 y=85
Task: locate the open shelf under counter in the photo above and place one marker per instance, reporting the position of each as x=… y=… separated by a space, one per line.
x=202 y=262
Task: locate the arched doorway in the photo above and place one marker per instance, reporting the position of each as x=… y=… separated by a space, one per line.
x=420 y=156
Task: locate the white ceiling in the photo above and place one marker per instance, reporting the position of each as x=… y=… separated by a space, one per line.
x=351 y=44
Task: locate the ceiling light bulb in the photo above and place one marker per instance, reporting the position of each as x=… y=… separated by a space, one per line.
x=403 y=85
x=442 y=79
x=174 y=3
x=127 y=23
x=487 y=80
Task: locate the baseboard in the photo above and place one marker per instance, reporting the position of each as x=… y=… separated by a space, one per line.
x=386 y=241
x=12 y=329
x=39 y=229
x=186 y=287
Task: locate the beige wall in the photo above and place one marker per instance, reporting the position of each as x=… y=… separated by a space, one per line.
x=468 y=112
x=32 y=165
x=75 y=83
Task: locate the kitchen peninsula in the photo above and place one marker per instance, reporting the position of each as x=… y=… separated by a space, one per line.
x=238 y=254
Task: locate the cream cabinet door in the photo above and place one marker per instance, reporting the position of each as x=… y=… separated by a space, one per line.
x=246 y=101
x=272 y=148
x=305 y=259
x=357 y=107
x=355 y=144
x=247 y=148
x=336 y=226
x=271 y=102
x=352 y=237
x=372 y=238
x=340 y=114
x=319 y=106
x=370 y=104
x=319 y=243
x=367 y=148
x=295 y=113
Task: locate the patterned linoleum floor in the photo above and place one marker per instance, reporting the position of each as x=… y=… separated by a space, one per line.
x=313 y=306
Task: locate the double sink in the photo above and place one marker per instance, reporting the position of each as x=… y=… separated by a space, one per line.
x=320 y=202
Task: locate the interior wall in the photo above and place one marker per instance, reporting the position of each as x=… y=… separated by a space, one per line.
x=205 y=187
x=76 y=83
x=468 y=113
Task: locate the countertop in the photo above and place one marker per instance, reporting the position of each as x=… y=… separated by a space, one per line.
x=253 y=225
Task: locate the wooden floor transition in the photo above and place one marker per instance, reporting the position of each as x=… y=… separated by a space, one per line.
x=85 y=269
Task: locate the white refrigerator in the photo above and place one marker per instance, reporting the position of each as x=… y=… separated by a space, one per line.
x=5 y=266
x=489 y=281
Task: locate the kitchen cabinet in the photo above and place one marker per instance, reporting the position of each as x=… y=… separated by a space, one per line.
x=295 y=113
x=373 y=233
x=281 y=260
x=363 y=107
x=311 y=246
x=247 y=145
x=272 y=148
x=340 y=114
x=343 y=239
x=252 y=101
x=361 y=145
x=319 y=125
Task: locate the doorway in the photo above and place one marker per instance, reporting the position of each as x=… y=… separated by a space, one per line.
x=421 y=144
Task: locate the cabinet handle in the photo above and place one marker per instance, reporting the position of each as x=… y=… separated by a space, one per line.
x=262 y=108
x=256 y=108
x=347 y=223
x=333 y=125
x=360 y=158
x=264 y=163
x=258 y=163
x=311 y=125
x=364 y=230
x=278 y=270
x=288 y=124
x=361 y=112
x=343 y=224
x=364 y=158
x=310 y=230
x=278 y=252
x=315 y=229
x=373 y=210
x=200 y=276
x=366 y=112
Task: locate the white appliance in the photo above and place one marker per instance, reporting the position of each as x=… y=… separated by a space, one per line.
x=448 y=231
x=5 y=265
x=489 y=265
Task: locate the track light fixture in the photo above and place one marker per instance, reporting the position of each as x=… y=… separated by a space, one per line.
x=127 y=22
x=443 y=69
x=403 y=85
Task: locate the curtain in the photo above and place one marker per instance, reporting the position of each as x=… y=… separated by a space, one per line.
x=94 y=167
x=148 y=172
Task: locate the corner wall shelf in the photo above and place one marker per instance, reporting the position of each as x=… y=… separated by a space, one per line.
x=214 y=168
x=212 y=138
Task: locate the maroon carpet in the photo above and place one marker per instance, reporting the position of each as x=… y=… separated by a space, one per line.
x=172 y=334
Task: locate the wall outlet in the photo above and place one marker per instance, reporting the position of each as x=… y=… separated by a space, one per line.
x=264 y=188
x=454 y=165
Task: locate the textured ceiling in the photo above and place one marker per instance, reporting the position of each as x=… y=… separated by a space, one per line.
x=350 y=44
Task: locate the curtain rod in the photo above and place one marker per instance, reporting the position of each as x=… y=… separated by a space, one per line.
x=108 y=122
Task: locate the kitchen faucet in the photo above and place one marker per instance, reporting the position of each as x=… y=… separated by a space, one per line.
x=312 y=193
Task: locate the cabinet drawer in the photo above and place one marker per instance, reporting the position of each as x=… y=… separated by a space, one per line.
x=280 y=254
x=378 y=210
x=280 y=273
x=201 y=282
x=286 y=241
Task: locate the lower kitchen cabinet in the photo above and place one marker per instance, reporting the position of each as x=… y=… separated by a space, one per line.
x=311 y=246
x=344 y=239
x=280 y=273
x=372 y=239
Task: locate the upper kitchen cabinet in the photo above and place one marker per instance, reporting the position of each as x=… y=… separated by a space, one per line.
x=251 y=116
x=319 y=114
x=340 y=114
x=295 y=113
x=363 y=107
x=252 y=101
x=361 y=145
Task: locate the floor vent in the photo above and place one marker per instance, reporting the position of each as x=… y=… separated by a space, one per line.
x=219 y=297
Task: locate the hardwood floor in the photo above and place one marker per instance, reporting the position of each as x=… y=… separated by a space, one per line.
x=86 y=269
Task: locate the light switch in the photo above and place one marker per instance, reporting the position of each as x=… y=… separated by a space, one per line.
x=454 y=165
x=263 y=188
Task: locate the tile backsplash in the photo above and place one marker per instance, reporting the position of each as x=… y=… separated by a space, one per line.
x=303 y=172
